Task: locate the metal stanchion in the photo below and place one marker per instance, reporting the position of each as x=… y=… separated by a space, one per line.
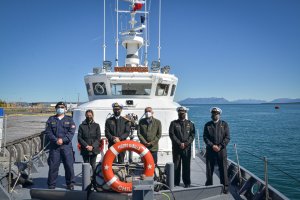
x=5 y=127
x=266 y=178
x=199 y=145
x=9 y=173
x=238 y=164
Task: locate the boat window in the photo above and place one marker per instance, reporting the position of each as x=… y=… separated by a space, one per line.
x=99 y=88
x=162 y=90
x=131 y=89
x=173 y=90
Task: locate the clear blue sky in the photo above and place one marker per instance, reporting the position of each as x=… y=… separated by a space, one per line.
x=235 y=49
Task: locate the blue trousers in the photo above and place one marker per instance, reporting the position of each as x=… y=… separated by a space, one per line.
x=56 y=156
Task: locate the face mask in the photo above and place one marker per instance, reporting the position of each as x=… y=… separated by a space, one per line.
x=117 y=113
x=60 y=111
x=181 y=116
x=148 y=114
x=215 y=117
x=89 y=119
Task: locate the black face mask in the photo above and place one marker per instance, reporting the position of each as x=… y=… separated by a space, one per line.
x=89 y=119
x=117 y=113
x=215 y=117
x=181 y=116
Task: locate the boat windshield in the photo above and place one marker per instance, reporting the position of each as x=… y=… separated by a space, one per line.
x=131 y=89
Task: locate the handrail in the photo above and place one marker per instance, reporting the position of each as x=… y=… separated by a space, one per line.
x=274 y=166
x=16 y=141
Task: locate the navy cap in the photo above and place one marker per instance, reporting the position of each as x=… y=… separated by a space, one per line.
x=181 y=109
x=216 y=110
x=117 y=105
x=61 y=104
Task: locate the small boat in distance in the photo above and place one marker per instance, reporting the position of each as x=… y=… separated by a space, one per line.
x=277 y=107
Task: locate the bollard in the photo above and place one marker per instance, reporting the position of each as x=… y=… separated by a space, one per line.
x=86 y=176
x=170 y=175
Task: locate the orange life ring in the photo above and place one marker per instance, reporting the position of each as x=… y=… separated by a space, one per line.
x=110 y=155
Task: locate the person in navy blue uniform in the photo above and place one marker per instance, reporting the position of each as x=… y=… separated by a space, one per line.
x=182 y=134
x=117 y=129
x=60 y=130
x=216 y=137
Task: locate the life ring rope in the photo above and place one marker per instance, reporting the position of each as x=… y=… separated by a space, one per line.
x=113 y=150
x=144 y=152
x=111 y=181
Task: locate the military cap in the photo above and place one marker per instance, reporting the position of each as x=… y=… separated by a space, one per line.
x=216 y=110
x=181 y=109
x=60 y=104
x=117 y=105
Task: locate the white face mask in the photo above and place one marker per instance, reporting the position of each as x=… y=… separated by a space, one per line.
x=148 y=114
x=60 y=111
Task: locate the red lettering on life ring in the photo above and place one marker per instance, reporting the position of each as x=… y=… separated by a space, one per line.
x=110 y=155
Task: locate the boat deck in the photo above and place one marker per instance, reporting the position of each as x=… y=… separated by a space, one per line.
x=198 y=178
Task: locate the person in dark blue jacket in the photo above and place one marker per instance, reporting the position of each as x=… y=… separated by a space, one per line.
x=60 y=130
x=216 y=137
x=117 y=129
x=182 y=134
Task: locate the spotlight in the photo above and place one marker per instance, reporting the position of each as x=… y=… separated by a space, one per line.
x=107 y=65
x=155 y=66
x=166 y=69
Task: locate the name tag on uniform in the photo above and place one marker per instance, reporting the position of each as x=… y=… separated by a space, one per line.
x=188 y=126
x=53 y=122
x=66 y=122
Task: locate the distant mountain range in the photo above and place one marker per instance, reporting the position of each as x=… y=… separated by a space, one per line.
x=215 y=100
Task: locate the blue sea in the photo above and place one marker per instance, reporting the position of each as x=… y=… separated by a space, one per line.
x=260 y=131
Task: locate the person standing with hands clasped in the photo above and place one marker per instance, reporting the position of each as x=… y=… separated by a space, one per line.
x=60 y=130
x=149 y=132
x=216 y=137
x=117 y=129
x=182 y=134
x=89 y=136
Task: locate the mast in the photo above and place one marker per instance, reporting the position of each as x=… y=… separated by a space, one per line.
x=159 y=18
x=104 y=42
x=117 y=35
x=146 y=36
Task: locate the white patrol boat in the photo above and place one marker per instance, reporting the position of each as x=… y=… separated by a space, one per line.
x=137 y=86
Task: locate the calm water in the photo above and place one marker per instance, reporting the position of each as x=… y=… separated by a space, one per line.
x=262 y=130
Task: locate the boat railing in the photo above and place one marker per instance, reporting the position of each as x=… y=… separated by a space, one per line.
x=20 y=158
x=240 y=172
x=270 y=165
